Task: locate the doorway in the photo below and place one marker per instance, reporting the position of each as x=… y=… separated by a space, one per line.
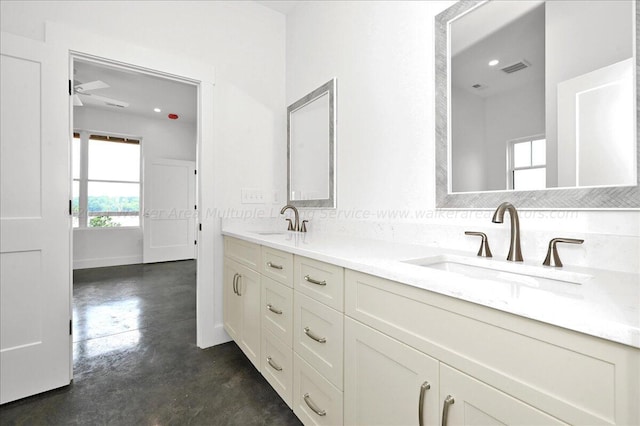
x=133 y=166
x=134 y=155
x=39 y=242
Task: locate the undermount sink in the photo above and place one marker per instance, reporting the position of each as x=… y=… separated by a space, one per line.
x=270 y=232
x=501 y=271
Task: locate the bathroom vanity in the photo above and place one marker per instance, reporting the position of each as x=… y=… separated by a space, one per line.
x=364 y=332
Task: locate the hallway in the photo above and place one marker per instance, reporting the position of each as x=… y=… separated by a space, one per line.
x=136 y=362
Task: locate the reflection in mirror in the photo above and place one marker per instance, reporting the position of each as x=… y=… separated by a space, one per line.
x=534 y=95
x=311 y=149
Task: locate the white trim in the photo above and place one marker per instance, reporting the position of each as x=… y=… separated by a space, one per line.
x=101 y=262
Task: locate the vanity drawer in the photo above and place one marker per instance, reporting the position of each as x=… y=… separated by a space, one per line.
x=321 y=281
x=315 y=400
x=277 y=366
x=277 y=265
x=319 y=337
x=277 y=310
x=243 y=252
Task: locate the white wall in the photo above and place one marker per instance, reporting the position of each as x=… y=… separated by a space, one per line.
x=244 y=42
x=468 y=128
x=482 y=128
x=511 y=115
x=161 y=138
x=382 y=55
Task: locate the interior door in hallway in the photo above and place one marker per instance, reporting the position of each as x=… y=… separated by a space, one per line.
x=35 y=267
x=169 y=210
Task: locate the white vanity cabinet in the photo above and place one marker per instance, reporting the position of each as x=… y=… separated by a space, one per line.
x=496 y=366
x=345 y=347
x=242 y=308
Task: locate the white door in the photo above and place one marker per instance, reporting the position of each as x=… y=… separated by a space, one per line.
x=595 y=109
x=35 y=270
x=169 y=210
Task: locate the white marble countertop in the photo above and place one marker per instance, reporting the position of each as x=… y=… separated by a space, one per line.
x=605 y=304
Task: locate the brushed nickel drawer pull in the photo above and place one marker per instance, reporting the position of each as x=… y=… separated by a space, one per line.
x=238 y=285
x=423 y=389
x=312 y=281
x=273 y=364
x=313 y=336
x=273 y=265
x=445 y=408
x=313 y=406
x=274 y=310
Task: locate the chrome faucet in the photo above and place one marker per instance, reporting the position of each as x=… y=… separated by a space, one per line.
x=292 y=226
x=515 y=254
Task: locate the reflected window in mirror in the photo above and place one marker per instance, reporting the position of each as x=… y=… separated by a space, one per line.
x=527 y=164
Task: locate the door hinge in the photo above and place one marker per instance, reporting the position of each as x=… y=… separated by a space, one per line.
x=195 y=242
x=70 y=207
x=195 y=172
x=200 y=227
x=195 y=207
x=70 y=327
x=70 y=89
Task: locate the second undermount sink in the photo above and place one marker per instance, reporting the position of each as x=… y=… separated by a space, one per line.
x=502 y=271
x=270 y=232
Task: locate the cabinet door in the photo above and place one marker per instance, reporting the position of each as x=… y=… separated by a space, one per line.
x=232 y=309
x=387 y=382
x=476 y=403
x=248 y=287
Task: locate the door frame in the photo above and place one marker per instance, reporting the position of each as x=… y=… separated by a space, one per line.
x=80 y=44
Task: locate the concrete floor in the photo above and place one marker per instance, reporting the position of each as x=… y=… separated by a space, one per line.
x=136 y=362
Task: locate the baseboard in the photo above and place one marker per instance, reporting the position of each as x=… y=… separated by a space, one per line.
x=218 y=336
x=106 y=261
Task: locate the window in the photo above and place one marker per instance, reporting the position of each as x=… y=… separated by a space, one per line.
x=106 y=181
x=527 y=164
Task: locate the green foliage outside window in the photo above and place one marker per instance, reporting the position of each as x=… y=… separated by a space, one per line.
x=102 y=222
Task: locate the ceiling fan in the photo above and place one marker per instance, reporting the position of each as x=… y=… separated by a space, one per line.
x=81 y=90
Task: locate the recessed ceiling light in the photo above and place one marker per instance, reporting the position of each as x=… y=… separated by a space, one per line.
x=157 y=110
x=493 y=62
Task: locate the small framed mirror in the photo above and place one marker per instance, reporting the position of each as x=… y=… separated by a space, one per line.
x=311 y=144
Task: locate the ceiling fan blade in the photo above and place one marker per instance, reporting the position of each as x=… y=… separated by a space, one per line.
x=92 y=85
x=108 y=101
x=77 y=101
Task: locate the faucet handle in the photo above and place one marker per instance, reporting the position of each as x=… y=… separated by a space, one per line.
x=290 y=228
x=484 y=251
x=553 y=258
x=303 y=227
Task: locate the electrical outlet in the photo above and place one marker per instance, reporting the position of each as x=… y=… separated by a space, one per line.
x=252 y=196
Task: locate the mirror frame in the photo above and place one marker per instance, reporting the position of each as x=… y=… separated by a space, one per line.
x=330 y=89
x=591 y=198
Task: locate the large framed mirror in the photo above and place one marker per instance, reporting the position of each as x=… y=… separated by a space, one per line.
x=536 y=103
x=311 y=147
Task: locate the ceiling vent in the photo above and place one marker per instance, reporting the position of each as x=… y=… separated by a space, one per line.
x=509 y=69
